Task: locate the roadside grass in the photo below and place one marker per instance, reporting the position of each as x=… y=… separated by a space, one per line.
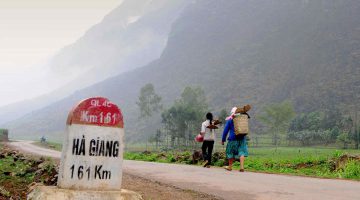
x=14 y=176
x=49 y=145
x=302 y=161
x=18 y=172
x=314 y=162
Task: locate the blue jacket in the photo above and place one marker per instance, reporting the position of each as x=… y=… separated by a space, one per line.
x=229 y=126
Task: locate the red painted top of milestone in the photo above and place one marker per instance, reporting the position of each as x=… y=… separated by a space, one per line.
x=97 y=111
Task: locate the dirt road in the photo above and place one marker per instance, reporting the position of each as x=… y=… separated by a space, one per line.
x=29 y=147
x=232 y=185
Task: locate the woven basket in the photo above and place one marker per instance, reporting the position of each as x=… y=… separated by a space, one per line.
x=241 y=124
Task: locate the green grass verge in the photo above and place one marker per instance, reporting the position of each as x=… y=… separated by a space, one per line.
x=316 y=162
x=17 y=172
x=313 y=162
x=49 y=145
x=14 y=176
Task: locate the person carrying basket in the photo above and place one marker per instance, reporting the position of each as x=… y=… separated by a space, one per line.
x=237 y=128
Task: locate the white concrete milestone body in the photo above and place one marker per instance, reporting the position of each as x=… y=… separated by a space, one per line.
x=92 y=152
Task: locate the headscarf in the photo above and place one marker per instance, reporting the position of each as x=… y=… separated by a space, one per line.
x=232 y=113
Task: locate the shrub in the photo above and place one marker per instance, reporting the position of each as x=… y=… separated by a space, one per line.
x=220 y=163
x=351 y=170
x=171 y=158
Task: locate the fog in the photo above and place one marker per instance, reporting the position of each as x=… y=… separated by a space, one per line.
x=31 y=32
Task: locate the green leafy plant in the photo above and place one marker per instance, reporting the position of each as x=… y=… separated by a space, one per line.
x=351 y=170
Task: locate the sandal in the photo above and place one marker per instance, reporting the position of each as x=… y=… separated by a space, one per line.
x=228 y=168
x=242 y=170
x=206 y=163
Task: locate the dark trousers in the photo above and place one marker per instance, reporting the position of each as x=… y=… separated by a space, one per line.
x=207 y=148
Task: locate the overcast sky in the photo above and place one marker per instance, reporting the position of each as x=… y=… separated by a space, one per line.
x=31 y=31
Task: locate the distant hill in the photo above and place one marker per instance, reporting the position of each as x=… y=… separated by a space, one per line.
x=132 y=35
x=239 y=52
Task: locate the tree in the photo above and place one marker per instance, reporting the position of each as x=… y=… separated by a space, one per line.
x=331 y=118
x=350 y=125
x=334 y=133
x=327 y=137
x=156 y=138
x=305 y=137
x=310 y=121
x=277 y=118
x=325 y=124
x=344 y=139
x=183 y=118
x=356 y=132
x=149 y=101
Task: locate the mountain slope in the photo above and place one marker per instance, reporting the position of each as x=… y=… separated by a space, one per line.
x=132 y=35
x=239 y=52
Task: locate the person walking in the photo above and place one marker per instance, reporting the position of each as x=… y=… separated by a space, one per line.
x=236 y=147
x=208 y=131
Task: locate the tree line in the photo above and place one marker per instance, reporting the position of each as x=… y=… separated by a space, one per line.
x=327 y=127
x=180 y=121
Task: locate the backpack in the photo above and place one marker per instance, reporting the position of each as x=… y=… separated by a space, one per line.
x=241 y=124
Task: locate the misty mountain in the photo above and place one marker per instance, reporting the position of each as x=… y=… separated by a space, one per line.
x=132 y=35
x=239 y=52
